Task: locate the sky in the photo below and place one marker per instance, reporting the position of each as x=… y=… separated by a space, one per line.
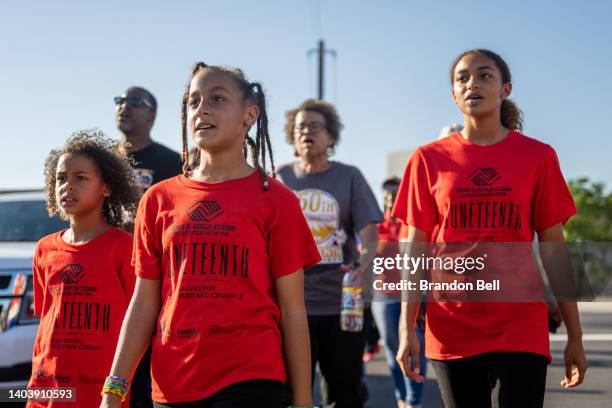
x=62 y=63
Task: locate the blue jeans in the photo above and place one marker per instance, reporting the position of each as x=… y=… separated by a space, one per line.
x=387 y=315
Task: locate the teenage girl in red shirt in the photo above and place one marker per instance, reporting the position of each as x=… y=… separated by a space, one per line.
x=471 y=187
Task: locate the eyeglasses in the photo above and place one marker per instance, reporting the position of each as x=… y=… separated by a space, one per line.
x=133 y=101
x=312 y=126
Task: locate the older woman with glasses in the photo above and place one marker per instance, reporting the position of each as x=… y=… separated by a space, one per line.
x=338 y=204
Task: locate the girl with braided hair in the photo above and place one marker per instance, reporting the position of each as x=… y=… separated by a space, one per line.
x=219 y=254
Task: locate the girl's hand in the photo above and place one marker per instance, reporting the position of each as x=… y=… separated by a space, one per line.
x=110 y=401
x=408 y=354
x=575 y=364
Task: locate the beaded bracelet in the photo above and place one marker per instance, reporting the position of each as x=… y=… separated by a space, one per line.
x=115 y=380
x=115 y=391
x=106 y=390
x=118 y=378
x=115 y=385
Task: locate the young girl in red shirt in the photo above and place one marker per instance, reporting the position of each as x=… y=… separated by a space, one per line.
x=83 y=279
x=219 y=253
x=487 y=183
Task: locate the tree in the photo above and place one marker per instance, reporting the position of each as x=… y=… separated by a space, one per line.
x=590 y=233
x=593 y=223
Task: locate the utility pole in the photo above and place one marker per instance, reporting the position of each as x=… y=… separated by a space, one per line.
x=321 y=51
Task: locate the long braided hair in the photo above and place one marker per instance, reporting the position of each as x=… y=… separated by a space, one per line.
x=252 y=91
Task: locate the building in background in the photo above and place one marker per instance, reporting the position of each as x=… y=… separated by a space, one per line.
x=396 y=162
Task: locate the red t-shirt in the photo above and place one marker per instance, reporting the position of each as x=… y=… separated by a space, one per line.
x=81 y=293
x=217 y=248
x=459 y=192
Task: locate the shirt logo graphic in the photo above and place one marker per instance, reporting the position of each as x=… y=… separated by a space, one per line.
x=484 y=176
x=72 y=274
x=205 y=211
x=322 y=212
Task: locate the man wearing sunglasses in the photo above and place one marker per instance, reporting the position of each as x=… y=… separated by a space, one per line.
x=135 y=113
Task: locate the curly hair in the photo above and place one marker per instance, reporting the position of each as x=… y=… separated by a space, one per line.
x=511 y=116
x=111 y=158
x=252 y=91
x=329 y=112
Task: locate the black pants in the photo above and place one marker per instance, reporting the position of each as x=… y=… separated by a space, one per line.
x=246 y=394
x=339 y=354
x=468 y=382
x=372 y=335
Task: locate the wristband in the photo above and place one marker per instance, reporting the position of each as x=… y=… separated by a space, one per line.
x=120 y=394
x=115 y=385
x=118 y=378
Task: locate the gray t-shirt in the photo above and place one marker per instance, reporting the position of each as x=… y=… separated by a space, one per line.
x=337 y=204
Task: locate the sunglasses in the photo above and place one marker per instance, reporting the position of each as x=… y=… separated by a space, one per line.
x=133 y=101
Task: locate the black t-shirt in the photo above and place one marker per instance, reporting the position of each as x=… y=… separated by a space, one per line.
x=155 y=163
